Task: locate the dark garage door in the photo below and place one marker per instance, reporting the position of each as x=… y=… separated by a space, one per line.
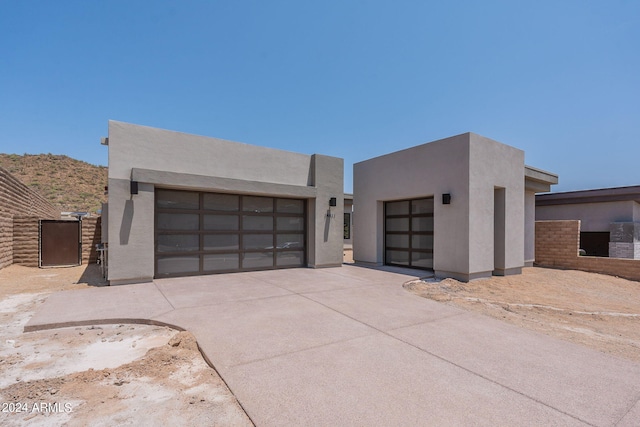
x=207 y=233
x=60 y=243
x=409 y=233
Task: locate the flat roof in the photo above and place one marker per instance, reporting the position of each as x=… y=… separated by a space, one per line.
x=599 y=195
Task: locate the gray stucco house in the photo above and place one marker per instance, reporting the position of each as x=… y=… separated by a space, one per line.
x=183 y=204
x=609 y=218
x=463 y=206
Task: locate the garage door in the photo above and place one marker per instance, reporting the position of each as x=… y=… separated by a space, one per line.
x=207 y=233
x=409 y=233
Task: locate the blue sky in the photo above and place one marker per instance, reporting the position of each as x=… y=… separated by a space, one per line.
x=355 y=79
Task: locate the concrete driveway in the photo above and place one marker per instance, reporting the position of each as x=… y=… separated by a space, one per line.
x=349 y=346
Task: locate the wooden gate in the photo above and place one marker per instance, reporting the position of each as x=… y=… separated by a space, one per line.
x=60 y=243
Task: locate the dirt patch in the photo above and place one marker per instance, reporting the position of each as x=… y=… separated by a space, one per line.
x=596 y=310
x=100 y=375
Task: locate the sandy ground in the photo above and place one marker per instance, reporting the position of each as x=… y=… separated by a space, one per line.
x=595 y=310
x=100 y=375
x=148 y=375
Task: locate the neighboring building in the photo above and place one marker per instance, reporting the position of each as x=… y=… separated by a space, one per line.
x=463 y=206
x=348 y=229
x=348 y=220
x=609 y=218
x=183 y=204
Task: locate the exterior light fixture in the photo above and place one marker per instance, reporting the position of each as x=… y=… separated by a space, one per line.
x=134 y=187
x=333 y=201
x=446 y=199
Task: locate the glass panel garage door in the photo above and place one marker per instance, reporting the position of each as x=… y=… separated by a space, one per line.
x=409 y=233
x=206 y=233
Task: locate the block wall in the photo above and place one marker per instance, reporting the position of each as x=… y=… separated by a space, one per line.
x=26 y=236
x=557 y=244
x=625 y=240
x=91 y=236
x=16 y=199
x=26 y=240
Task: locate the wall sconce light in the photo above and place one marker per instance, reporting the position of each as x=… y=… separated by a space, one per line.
x=446 y=199
x=333 y=201
x=133 y=188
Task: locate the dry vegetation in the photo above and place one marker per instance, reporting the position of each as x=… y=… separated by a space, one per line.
x=69 y=184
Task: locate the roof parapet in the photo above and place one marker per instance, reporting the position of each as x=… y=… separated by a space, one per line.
x=538 y=180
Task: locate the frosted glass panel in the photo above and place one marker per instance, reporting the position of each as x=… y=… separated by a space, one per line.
x=397 y=257
x=218 y=242
x=290 y=223
x=397 y=241
x=257 y=204
x=422 y=206
x=257 y=241
x=285 y=241
x=422 y=224
x=397 y=208
x=182 y=264
x=221 y=202
x=221 y=222
x=421 y=260
x=214 y=262
x=290 y=206
x=255 y=260
x=288 y=259
x=422 y=242
x=257 y=223
x=167 y=199
x=178 y=242
x=170 y=221
x=397 y=224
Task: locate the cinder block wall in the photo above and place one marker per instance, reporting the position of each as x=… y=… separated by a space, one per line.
x=26 y=240
x=625 y=240
x=91 y=236
x=16 y=199
x=557 y=244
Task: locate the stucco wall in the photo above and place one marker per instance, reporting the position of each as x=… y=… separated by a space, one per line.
x=16 y=199
x=145 y=147
x=157 y=157
x=467 y=166
x=593 y=216
x=492 y=165
x=557 y=244
x=423 y=171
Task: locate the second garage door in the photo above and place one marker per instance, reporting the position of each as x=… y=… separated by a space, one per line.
x=207 y=233
x=409 y=233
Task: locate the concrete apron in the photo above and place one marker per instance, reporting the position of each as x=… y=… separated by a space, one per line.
x=349 y=346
